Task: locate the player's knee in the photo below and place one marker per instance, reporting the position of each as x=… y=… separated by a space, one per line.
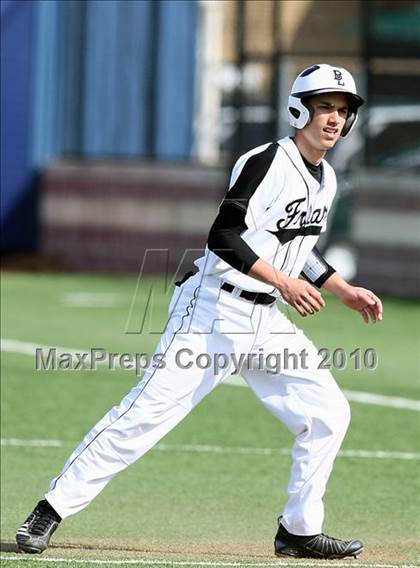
x=336 y=417
x=344 y=412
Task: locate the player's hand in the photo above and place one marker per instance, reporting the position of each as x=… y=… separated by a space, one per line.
x=302 y=296
x=363 y=301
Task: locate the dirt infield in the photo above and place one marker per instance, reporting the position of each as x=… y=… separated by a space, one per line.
x=210 y=553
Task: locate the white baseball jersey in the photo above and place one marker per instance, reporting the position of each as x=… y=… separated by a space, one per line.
x=286 y=211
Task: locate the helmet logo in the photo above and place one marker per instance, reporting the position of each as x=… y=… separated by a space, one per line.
x=338 y=77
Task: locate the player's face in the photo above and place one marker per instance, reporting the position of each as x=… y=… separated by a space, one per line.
x=330 y=111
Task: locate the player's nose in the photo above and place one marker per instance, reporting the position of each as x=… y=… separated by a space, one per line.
x=333 y=117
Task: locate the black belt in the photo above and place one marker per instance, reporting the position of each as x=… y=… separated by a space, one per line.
x=255 y=297
x=184 y=278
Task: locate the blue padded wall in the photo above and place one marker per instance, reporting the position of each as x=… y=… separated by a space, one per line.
x=175 y=78
x=18 y=194
x=118 y=71
x=90 y=79
x=115 y=79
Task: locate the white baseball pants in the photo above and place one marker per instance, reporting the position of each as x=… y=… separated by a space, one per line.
x=205 y=319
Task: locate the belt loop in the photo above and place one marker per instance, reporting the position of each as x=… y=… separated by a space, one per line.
x=236 y=292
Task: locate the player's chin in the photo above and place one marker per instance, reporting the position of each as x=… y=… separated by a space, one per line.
x=328 y=142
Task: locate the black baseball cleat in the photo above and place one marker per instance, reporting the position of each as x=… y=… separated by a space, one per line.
x=319 y=546
x=35 y=533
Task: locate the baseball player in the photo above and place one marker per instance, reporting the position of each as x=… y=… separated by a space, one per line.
x=262 y=241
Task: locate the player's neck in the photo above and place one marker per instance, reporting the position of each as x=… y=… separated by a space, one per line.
x=311 y=154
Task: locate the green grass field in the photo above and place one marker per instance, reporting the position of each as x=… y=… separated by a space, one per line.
x=180 y=506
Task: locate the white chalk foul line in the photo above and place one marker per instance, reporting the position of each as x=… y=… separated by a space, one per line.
x=16 y=442
x=382 y=400
x=145 y=562
x=355 y=396
x=92 y=300
x=229 y=450
x=25 y=348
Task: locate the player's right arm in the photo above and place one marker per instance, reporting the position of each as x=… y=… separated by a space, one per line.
x=225 y=240
x=299 y=294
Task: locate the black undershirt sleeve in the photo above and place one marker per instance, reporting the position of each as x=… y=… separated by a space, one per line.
x=225 y=238
x=316 y=269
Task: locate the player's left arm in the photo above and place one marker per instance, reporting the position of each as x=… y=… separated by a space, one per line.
x=321 y=274
x=360 y=299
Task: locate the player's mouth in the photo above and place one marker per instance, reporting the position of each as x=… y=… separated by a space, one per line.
x=330 y=133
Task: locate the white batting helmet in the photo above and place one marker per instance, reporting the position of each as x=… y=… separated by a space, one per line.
x=317 y=79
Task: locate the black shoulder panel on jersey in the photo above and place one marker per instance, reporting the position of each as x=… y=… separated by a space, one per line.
x=225 y=234
x=316 y=269
x=252 y=174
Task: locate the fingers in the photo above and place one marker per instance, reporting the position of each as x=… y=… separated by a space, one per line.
x=310 y=303
x=304 y=308
x=364 y=314
x=315 y=299
x=301 y=310
x=369 y=312
x=378 y=307
x=303 y=297
x=374 y=313
x=373 y=306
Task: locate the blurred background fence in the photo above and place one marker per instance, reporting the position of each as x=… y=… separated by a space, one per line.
x=120 y=120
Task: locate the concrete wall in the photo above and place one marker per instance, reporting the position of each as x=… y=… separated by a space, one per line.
x=112 y=217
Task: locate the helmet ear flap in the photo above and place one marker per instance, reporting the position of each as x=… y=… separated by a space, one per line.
x=349 y=124
x=300 y=112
